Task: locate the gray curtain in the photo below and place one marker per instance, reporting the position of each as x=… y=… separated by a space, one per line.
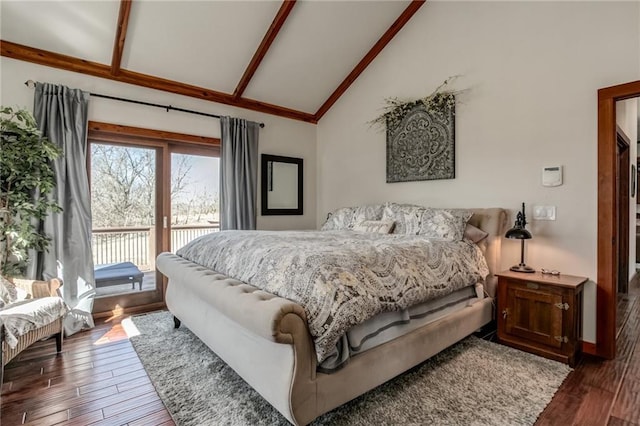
x=62 y=116
x=238 y=173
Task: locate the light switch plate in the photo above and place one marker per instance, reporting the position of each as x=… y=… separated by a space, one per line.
x=544 y=212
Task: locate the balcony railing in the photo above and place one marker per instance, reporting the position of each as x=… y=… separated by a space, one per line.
x=138 y=244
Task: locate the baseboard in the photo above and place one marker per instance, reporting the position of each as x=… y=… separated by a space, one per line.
x=129 y=311
x=589 y=348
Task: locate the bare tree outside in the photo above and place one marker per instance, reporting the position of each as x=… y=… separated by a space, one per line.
x=192 y=201
x=122 y=186
x=123 y=182
x=123 y=197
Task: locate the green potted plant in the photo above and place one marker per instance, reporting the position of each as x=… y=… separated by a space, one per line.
x=26 y=176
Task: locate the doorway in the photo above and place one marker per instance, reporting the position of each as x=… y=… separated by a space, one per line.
x=124 y=190
x=608 y=216
x=622 y=200
x=138 y=176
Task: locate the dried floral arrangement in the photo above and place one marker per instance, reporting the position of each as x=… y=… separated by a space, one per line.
x=395 y=109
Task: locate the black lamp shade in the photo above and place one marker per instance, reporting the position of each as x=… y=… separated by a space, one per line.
x=518 y=234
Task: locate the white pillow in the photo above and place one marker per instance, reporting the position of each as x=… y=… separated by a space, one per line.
x=406 y=217
x=444 y=224
x=411 y=219
x=348 y=217
x=367 y=212
x=339 y=219
x=9 y=293
x=375 y=226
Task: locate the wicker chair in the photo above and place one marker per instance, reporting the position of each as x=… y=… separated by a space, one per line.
x=36 y=289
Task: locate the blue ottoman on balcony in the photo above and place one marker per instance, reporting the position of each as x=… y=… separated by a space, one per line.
x=118 y=273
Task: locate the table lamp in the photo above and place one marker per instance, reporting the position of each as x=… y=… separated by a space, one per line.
x=519 y=232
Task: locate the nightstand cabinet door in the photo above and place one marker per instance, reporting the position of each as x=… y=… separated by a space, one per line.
x=541 y=314
x=533 y=314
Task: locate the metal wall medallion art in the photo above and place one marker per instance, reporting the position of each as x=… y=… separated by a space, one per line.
x=421 y=143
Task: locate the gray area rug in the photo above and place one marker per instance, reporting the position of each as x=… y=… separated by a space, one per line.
x=475 y=382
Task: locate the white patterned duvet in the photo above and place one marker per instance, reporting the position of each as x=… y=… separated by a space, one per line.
x=341 y=278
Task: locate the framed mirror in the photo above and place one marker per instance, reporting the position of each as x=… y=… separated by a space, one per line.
x=281 y=185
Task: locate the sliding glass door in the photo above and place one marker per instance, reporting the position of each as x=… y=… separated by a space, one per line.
x=123 y=205
x=151 y=191
x=126 y=226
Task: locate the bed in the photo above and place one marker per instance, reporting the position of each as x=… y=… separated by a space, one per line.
x=273 y=345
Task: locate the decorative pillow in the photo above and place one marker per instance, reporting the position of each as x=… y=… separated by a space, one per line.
x=444 y=224
x=474 y=234
x=347 y=217
x=368 y=212
x=339 y=219
x=9 y=293
x=406 y=216
x=375 y=226
x=3 y=302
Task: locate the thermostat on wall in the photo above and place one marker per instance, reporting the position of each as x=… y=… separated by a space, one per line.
x=552 y=176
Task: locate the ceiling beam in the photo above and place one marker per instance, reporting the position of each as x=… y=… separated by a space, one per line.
x=370 y=56
x=121 y=35
x=69 y=63
x=269 y=37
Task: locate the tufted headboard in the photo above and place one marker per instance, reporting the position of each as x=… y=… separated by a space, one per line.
x=492 y=221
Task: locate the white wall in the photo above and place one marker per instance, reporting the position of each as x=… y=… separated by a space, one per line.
x=627 y=119
x=280 y=136
x=532 y=71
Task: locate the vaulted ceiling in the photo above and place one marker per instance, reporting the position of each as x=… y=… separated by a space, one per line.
x=291 y=58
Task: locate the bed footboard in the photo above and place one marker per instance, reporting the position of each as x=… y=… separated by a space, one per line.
x=264 y=338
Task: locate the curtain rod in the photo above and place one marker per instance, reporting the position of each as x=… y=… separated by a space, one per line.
x=31 y=83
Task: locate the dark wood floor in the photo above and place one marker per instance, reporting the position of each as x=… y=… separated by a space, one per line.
x=99 y=380
x=605 y=392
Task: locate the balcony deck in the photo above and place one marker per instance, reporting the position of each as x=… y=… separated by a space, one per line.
x=138 y=246
x=148 y=283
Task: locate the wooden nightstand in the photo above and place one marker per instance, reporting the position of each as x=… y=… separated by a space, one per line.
x=541 y=313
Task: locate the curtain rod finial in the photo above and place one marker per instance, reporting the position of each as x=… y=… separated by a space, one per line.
x=30 y=83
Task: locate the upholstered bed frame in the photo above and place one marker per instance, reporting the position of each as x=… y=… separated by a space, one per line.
x=265 y=338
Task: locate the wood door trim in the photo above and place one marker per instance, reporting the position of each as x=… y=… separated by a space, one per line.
x=625 y=139
x=163 y=204
x=149 y=307
x=624 y=161
x=606 y=300
x=109 y=131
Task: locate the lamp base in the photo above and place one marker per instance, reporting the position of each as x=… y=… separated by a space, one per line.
x=522 y=268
